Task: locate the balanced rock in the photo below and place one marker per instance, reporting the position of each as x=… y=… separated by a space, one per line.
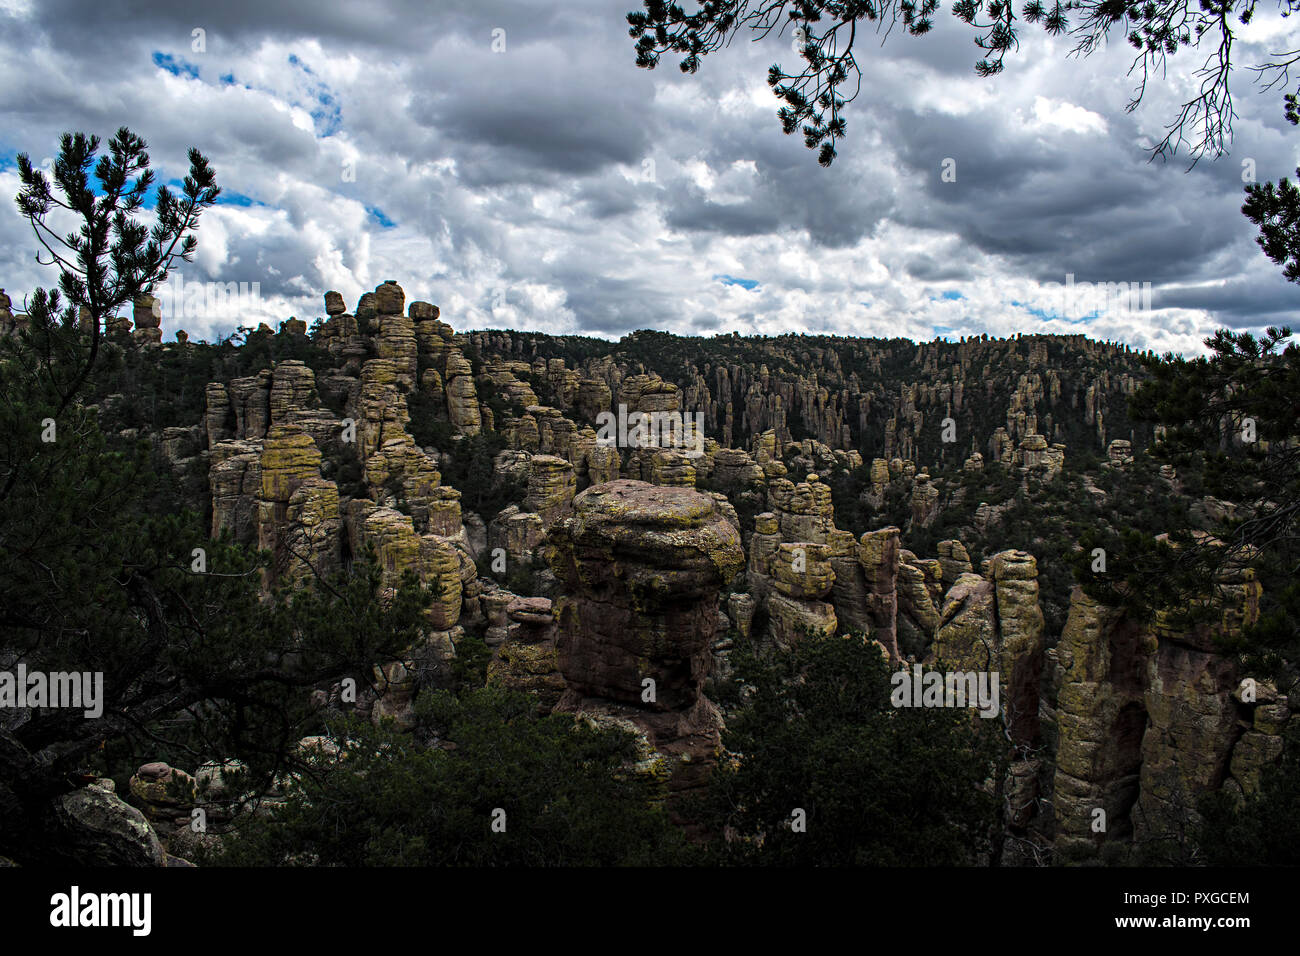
x=640 y=568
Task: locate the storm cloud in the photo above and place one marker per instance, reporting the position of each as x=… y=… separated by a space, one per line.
x=509 y=162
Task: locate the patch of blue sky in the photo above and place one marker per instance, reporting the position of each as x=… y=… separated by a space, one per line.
x=326 y=111
x=175 y=65
x=378 y=216
x=747 y=284
x=228 y=198
x=1055 y=316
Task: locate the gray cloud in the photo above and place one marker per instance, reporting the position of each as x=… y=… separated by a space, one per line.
x=389 y=140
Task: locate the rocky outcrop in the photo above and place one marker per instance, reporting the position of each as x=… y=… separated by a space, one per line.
x=878 y=554
x=925 y=501
x=165 y=794
x=917 y=615
x=250 y=397
x=1020 y=643
x=954 y=561
x=307 y=539
x=1150 y=717
x=528 y=659
x=462 y=395
x=802 y=576
x=147 y=314
x=804 y=511
x=235 y=484
x=97 y=828
x=398 y=548
x=551 y=486
x=293 y=388
x=1101 y=716
x=379 y=411
x=640 y=568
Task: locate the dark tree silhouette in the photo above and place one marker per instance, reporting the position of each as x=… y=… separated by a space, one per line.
x=828 y=29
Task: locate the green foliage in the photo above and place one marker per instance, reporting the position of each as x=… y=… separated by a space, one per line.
x=823 y=32
x=569 y=795
x=881 y=786
x=1209 y=406
x=113 y=258
x=98 y=568
x=467 y=466
x=1262 y=829
x=1276 y=211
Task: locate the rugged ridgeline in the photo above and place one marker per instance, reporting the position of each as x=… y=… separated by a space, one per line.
x=613 y=577
x=883 y=398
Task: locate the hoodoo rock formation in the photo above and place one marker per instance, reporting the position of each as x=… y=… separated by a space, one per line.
x=641 y=568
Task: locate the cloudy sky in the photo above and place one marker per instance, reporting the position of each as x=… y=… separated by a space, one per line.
x=506 y=160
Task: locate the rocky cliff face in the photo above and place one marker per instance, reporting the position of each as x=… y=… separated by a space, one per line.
x=1151 y=717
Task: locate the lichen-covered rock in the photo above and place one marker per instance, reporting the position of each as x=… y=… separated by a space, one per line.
x=805 y=512
x=593 y=397
x=517 y=532
x=802 y=570
x=99 y=829
x=551 y=486
x=665 y=466
x=395 y=342
x=763 y=545
x=1252 y=753
x=966 y=638
x=313 y=532
x=878 y=553
x=380 y=411
x=400 y=471
x=440 y=569
x=528 y=660
x=250 y=397
x=494 y=604
x=593 y=463
x=389 y=299
x=289 y=457
x=1020 y=641
x=163 y=792
x=1187 y=747
x=954 y=560
x=925 y=501
x=398 y=548
x=426 y=664
x=444 y=513
x=218 y=419
x=533 y=668
x=1101 y=717
x=423 y=311
x=147 y=314
x=649 y=393
x=793 y=620
x=293 y=387
x=290 y=462
x=735 y=468
x=235 y=482
x=640 y=568
x=849 y=590
x=740 y=609
x=917 y=616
